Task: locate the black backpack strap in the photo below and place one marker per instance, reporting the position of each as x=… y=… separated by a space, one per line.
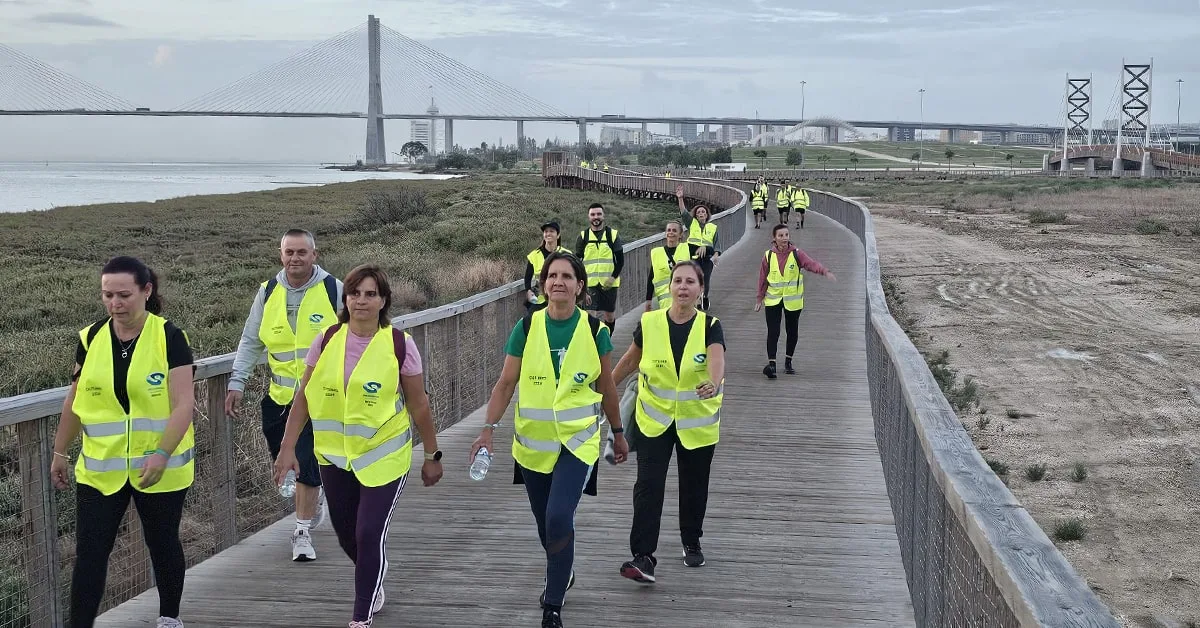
x=269 y=288
x=595 y=323
x=608 y=236
x=331 y=289
x=328 y=335
x=400 y=345
x=92 y=331
x=526 y=322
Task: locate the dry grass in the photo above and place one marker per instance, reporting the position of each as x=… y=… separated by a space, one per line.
x=439 y=240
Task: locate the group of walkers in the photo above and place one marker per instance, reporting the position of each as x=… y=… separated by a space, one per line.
x=346 y=389
x=787 y=198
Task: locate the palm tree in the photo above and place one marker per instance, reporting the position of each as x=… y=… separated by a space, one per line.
x=823 y=158
x=1009 y=158
x=949 y=158
x=762 y=156
x=916 y=156
x=854 y=160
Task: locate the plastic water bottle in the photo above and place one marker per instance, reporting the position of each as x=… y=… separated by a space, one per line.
x=610 y=455
x=288 y=488
x=479 y=466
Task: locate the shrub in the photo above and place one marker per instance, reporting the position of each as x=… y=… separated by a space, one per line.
x=1069 y=530
x=1079 y=472
x=998 y=467
x=399 y=206
x=1149 y=226
x=1040 y=216
x=1035 y=473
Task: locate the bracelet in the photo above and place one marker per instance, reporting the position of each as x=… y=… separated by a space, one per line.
x=163 y=453
x=493 y=426
x=617 y=430
x=63 y=456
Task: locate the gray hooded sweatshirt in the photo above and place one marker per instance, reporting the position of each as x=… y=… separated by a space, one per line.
x=251 y=350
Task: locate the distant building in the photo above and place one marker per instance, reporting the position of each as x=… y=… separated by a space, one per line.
x=992 y=137
x=684 y=131
x=905 y=134
x=733 y=134
x=425 y=131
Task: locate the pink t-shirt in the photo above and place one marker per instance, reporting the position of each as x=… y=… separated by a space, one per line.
x=355 y=345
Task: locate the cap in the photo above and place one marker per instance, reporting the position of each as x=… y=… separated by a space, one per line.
x=551 y=224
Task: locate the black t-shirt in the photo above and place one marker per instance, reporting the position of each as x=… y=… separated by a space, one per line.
x=179 y=353
x=679 y=332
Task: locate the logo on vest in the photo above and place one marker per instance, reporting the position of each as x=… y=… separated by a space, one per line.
x=580 y=377
x=155 y=379
x=700 y=358
x=316 y=318
x=372 y=387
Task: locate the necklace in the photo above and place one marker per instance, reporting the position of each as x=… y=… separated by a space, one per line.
x=125 y=348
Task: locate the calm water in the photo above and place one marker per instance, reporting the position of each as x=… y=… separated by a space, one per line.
x=29 y=186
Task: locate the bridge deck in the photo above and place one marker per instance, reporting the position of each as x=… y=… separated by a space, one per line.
x=799 y=529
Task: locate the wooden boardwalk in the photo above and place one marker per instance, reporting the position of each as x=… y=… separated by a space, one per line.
x=799 y=529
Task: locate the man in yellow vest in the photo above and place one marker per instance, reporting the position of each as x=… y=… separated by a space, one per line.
x=783 y=200
x=603 y=255
x=758 y=202
x=662 y=260
x=288 y=313
x=800 y=202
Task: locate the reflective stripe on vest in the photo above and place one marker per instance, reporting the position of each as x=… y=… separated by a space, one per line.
x=786 y=288
x=660 y=267
x=365 y=421
x=552 y=414
x=783 y=198
x=758 y=197
x=702 y=236
x=598 y=257
x=116 y=444
x=287 y=347
x=667 y=395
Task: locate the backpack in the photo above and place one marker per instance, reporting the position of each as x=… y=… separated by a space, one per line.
x=330 y=290
x=399 y=345
x=587 y=237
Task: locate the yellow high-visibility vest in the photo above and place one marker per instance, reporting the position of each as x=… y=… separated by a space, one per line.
x=598 y=258
x=702 y=235
x=786 y=287
x=537 y=260
x=361 y=426
x=783 y=198
x=800 y=198
x=666 y=396
x=661 y=266
x=555 y=414
x=116 y=444
x=286 y=348
x=758 y=197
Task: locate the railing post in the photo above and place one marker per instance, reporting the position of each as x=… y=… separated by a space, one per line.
x=221 y=465
x=40 y=522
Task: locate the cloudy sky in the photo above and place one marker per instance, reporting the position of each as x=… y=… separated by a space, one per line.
x=1005 y=60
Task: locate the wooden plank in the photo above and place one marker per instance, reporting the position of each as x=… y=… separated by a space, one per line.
x=799 y=529
x=35 y=446
x=222 y=465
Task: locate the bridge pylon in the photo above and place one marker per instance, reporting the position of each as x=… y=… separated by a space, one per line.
x=376 y=153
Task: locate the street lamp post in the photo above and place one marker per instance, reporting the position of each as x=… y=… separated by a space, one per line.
x=1178 y=102
x=802 y=84
x=921 y=140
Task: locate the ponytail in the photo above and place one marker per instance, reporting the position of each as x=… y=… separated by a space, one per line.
x=143 y=275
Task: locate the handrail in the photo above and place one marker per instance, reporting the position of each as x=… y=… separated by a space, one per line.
x=901 y=171
x=462 y=346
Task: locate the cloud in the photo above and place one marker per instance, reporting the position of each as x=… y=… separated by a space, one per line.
x=162 y=56
x=73 y=19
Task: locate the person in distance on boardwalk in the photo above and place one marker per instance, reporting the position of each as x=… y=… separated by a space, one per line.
x=131 y=395
x=662 y=261
x=800 y=202
x=783 y=200
x=702 y=237
x=363 y=388
x=758 y=201
x=680 y=354
x=551 y=243
x=781 y=290
x=556 y=443
x=603 y=256
x=288 y=312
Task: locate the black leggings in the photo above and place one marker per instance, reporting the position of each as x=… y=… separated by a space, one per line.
x=97 y=521
x=774 y=313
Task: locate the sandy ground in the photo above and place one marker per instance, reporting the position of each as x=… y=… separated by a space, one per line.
x=1086 y=345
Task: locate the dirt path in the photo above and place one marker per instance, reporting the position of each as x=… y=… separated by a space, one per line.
x=1087 y=348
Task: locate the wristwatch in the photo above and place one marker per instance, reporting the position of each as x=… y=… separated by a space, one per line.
x=434 y=457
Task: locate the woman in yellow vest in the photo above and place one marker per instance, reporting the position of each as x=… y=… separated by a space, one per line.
x=551 y=243
x=132 y=398
x=363 y=388
x=556 y=441
x=680 y=354
x=781 y=290
x=702 y=236
x=758 y=201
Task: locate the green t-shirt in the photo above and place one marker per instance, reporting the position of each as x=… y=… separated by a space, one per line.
x=559 y=334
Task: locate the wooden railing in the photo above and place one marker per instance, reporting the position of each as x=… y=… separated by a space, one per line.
x=462 y=346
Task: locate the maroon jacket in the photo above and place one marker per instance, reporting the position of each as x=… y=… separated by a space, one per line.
x=806 y=263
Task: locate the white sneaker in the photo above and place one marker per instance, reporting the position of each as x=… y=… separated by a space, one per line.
x=322 y=510
x=302 y=547
x=169 y=622
x=377 y=604
x=360 y=624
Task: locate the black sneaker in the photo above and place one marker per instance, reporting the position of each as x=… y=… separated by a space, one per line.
x=570 y=583
x=692 y=556
x=769 y=370
x=551 y=619
x=787 y=368
x=641 y=569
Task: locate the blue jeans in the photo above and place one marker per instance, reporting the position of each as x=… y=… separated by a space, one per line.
x=553 y=497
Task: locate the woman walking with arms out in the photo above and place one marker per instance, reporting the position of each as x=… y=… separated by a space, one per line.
x=132 y=397
x=781 y=290
x=363 y=387
x=558 y=362
x=680 y=355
